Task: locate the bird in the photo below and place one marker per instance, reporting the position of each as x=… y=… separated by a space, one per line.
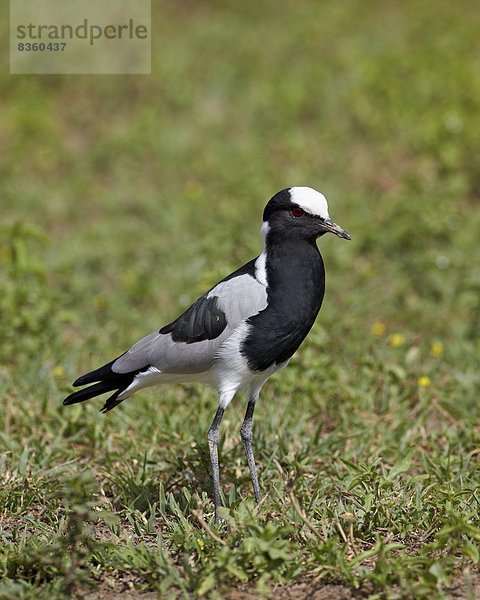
x=241 y=331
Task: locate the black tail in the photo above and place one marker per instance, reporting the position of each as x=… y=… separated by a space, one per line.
x=107 y=380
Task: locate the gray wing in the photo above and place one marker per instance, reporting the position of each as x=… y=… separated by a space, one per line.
x=188 y=344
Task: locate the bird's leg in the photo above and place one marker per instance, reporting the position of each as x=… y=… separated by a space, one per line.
x=246 y=434
x=213 y=439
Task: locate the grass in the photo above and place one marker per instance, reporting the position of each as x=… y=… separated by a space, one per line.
x=123 y=198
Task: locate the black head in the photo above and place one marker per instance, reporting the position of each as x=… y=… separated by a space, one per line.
x=300 y=212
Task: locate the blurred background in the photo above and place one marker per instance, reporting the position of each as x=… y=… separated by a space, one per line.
x=132 y=191
x=124 y=197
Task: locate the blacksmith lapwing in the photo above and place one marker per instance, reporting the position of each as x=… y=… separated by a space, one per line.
x=241 y=331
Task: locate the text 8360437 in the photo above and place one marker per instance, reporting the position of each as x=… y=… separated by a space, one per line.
x=41 y=47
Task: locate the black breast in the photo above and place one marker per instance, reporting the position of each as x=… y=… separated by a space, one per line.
x=296 y=286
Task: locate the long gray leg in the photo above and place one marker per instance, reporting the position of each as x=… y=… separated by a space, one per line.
x=213 y=439
x=246 y=434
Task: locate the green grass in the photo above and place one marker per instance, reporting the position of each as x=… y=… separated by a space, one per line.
x=124 y=198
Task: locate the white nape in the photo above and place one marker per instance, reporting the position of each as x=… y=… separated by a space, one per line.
x=261 y=262
x=261 y=268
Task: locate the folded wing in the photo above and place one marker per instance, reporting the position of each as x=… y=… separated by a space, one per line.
x=185 y=347
x=188 y=344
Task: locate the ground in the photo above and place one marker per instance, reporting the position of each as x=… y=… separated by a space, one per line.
x=124 y=198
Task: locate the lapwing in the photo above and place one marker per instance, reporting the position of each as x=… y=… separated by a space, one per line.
x=240 y=332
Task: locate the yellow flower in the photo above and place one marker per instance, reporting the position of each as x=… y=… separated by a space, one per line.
x=378 y=329
x=58 y=371
x=397 y=340
x=424 y=381
x=201 y=543
x=437 y=349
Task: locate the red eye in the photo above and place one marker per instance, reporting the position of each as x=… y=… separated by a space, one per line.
x=297 y=212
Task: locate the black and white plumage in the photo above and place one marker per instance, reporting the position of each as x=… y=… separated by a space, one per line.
x=241 y=331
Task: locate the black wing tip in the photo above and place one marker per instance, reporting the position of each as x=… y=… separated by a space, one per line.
x=103 y=380
x=103 y=373
x=90 y=392
x=75 y=398
x=80 y=381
